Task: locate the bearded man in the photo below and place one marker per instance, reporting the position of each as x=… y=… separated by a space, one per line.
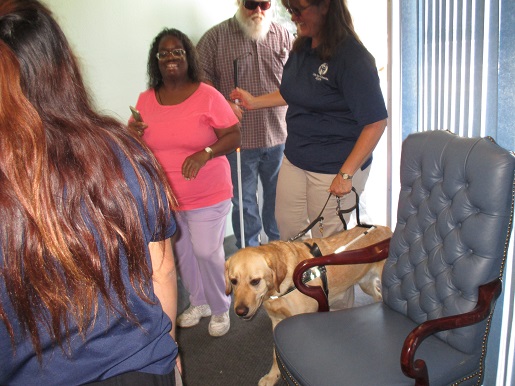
x=249 y=51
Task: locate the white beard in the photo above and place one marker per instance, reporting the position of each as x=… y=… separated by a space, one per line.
x=255 y=27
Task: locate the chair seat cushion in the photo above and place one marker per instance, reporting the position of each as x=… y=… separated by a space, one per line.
x=368 y=345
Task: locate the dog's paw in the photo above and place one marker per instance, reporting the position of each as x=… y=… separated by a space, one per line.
x=269 y=380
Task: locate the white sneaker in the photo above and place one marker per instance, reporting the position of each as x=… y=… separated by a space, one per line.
x=219 y=324
x=191 y=317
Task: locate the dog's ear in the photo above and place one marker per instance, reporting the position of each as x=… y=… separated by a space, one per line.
x=228 y=285
x=277 y=265
x=280 y=272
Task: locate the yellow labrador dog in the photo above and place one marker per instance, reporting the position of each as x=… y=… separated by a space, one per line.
x=263 y=275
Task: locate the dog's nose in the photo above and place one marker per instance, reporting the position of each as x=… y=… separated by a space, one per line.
x=241 y=311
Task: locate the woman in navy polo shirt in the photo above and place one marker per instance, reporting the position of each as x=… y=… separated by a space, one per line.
x=336 y=116
x=88 y=290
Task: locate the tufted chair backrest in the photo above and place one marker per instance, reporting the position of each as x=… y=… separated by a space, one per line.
x=453 y=225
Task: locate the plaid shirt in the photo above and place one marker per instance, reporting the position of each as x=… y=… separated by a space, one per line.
x=259 y=71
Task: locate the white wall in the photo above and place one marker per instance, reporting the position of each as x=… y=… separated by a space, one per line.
x=370 y=22
x=112 y=39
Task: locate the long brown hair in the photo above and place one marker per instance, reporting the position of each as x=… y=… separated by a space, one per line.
x=337 y=27
x=61 y=178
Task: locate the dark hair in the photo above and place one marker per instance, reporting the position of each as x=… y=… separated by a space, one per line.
x=155 y=78
x=60 y=176
x=337 y=27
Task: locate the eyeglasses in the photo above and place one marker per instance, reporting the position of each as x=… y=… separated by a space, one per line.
x=252 y=5
x=297 y=11
x=178 y=53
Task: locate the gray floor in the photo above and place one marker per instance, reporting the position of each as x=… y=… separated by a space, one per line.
x=239 y=358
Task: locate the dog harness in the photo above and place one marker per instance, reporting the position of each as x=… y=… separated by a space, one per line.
x=321 y=271
x=311 y=274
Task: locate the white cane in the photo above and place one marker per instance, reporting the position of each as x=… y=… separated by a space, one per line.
x=238 y=155
x=240 y=198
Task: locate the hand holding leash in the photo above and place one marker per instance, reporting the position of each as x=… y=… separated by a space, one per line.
x=341 y=185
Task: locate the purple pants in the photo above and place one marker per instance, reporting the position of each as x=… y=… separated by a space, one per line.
x=200 y=256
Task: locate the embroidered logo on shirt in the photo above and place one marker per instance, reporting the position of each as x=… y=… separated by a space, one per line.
x=322 y=70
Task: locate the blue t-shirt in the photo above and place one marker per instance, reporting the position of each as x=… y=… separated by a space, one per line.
x=113 y=345
x=329 y=103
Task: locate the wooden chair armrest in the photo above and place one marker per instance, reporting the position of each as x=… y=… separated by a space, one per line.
x=417 y=369
x=370 y=254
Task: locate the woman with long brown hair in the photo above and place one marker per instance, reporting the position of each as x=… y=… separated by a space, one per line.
x=336 y=116
x=87 y=276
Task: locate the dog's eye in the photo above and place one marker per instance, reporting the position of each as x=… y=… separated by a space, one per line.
x=255 y=282
x=234 y=281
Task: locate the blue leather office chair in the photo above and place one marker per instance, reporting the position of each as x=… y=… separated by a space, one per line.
x=440 y=282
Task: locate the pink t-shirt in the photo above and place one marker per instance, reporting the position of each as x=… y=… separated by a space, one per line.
x=175 y=132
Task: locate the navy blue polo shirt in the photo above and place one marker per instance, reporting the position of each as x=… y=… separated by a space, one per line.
x=329 y=103
x=112 y=345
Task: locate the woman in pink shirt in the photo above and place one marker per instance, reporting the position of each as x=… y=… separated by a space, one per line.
x=190 y=127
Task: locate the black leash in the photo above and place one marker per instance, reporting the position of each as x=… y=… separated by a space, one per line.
x=313 y=223
x=315 y=251
x=341 y=212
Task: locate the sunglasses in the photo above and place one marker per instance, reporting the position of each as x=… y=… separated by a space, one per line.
x=252 y=5
x=178 y=53
x=297 y=11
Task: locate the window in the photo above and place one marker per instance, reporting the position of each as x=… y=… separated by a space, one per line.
x=452 y=68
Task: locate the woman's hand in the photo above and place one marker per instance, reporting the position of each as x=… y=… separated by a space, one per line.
x=340 y=187
x=137 y=128
x=193 y=163
x=251 y=102
x=228 y=140
x=361 y=151
x=242 y=98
